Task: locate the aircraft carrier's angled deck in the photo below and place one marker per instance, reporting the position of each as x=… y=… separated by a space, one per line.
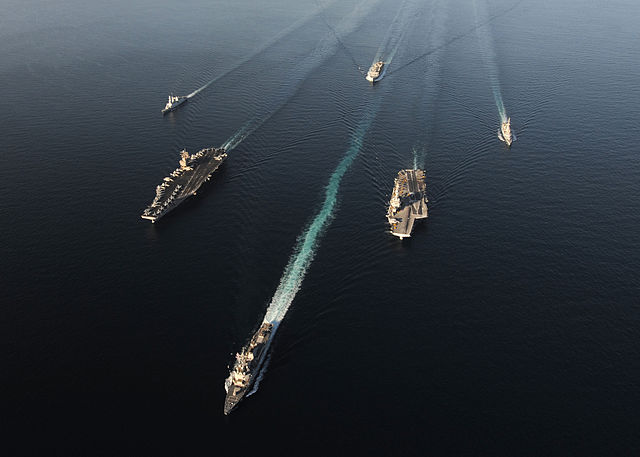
x=408 y=202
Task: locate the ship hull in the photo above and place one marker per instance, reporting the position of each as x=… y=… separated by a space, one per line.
x=176 y=106
x=376 y=72
x=257 y=348
x=177 y=203
x=233 y=398
x=182 y=184
x=505 y=133
x=231 y=401
x=373 y=80
x=408 y=202
x=504 y=138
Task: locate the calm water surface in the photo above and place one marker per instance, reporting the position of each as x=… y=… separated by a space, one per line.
x=508 y=323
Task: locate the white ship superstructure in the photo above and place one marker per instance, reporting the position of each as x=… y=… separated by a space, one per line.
x=375 y=71
x=247 y=366
x=173 y=102
x=505 y=132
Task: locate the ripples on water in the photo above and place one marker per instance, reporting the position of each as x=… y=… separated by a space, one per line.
x=511 y=308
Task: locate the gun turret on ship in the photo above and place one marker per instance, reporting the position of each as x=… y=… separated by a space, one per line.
x=408 y=202
x=174 y=102
x=184 y=181
x=374 y=73
x=505 y=132
x=247 y=367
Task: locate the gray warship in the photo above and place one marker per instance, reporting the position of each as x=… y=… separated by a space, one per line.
x=247 y=366
x=184 y=181
x=174 y=102
x=408 y=202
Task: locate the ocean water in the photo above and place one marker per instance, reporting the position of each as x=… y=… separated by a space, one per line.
x=508 y=324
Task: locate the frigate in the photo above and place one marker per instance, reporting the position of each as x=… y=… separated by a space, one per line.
x=174 y=102
x=408 y=202
x=505 y=132
x=375 y=72
x=184 y=181
x=247 y=367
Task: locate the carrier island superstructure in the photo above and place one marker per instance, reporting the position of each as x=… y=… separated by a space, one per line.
x=184 y=181
x=247 y=366
x=408 y=202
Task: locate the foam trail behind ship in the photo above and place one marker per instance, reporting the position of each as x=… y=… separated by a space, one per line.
x=327 y=46
x=296 y=25
x=419 y=153
x=488 y=55
x=307 y=243
x=239 y=135
x=394 y=35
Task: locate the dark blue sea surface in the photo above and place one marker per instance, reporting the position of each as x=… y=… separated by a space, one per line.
x=508 y=324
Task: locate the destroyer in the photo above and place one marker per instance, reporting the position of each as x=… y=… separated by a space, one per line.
x=173 y=103
x=408 y=202
x=505 y=132
x=184 y=181
x=374 y=73
x=247 y=367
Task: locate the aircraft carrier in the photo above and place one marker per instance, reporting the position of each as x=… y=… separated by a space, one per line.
x=408 y=202
x=184 y=181
x=247 y=367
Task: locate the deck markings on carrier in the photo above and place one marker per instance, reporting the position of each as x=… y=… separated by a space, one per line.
x=408 y=202
x=184 y=181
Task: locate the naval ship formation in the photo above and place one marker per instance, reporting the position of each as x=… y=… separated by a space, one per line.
x=184 y=181
x=247 y=367
x=173 y=103
x=505 y=132
x=373 y=75
x=408 y=202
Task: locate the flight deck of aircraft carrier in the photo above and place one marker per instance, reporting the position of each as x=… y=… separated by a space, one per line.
x=408 y=202
x=184 y=181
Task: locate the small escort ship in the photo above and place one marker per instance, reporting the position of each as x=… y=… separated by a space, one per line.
x=374 y=73
x=184 y=181
x=173 y=103
x=505 y=132
x=408 y=202
x=247 y=367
